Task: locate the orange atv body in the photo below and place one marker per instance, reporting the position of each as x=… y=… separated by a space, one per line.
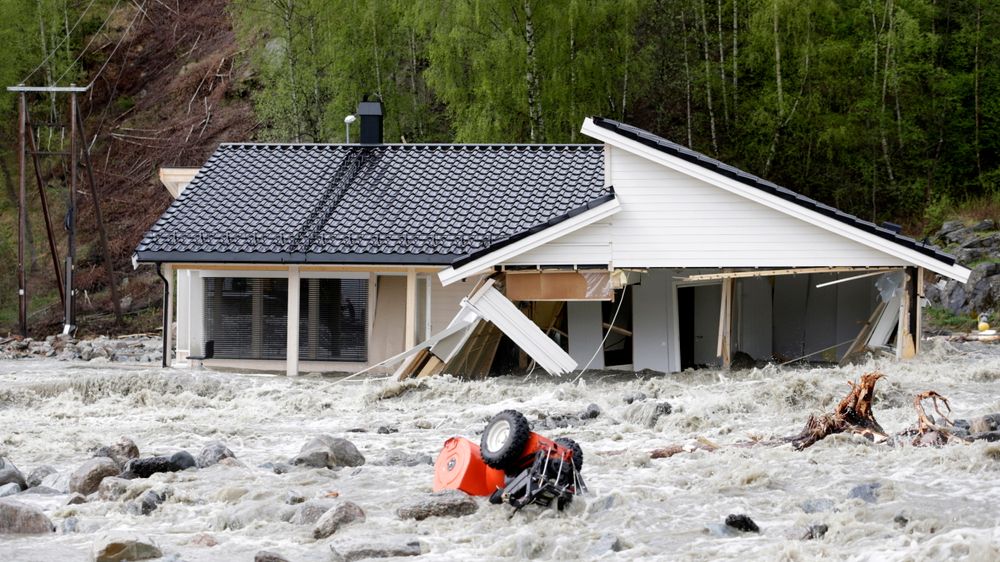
x=460 y=466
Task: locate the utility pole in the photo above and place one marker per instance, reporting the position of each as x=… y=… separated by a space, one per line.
x=78 y=143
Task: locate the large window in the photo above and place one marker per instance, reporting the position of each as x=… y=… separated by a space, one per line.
x=247 y=318
x=334 y=320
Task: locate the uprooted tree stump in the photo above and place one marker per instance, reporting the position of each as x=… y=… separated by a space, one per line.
x=853 y=415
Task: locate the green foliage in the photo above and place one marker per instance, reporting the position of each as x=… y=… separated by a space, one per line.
x=941 y=319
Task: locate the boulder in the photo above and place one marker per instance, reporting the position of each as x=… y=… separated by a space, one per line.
x=87 y=477
x=9 y=489
x=9 y=473
x=982 y=424
x=449 y=503
x=213 y=453
x=17 y=518
x=308 y=513
x=148 y=466
x=742 y=523
x=36 y=476
x=343 y=514
x=292 y=497
x=867 y=493
x=815 y=532
x=590 y=412
x=42 y=491
x=350 y=553
x=631 y=397
x=183 y=460
x=145 y=504
x=76 y=498
x=267 y=556
x=125 y=547
x=326 y=451
x=121 y=452
x=991 y=436
x=112 y=488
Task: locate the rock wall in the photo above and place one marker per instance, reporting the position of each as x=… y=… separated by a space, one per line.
x=977 y=247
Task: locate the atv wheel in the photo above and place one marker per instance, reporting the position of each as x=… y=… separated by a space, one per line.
x=504 y=440
x=575 y=447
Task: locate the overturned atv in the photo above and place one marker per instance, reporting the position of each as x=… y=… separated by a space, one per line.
x=512 y=464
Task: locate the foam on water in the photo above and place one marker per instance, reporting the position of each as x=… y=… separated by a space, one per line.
x=932 y=504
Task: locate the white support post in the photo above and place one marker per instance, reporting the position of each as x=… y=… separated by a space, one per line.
x=168 y=340
x=183 y=337
x=919 y=311
x=292 y=353
x=410 y=333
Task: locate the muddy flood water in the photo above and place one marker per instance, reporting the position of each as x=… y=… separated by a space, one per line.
x=911 y=503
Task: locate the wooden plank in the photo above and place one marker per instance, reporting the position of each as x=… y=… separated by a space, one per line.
x=862 y=340
x=919 y=331
x=726 y=323
x=776 y=272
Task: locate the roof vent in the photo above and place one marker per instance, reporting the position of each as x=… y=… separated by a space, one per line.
x=895 y=228
x=370 y=113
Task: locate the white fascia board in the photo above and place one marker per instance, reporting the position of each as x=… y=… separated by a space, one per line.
x=590 y=216
x=954 y=271
x=176 y=179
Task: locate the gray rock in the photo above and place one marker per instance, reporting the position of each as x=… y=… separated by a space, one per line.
x=867 y=493
x=308 y=513
x=69 y=525
x=36 y=476
x=900 y=520
x=815 y=532
x=213 y=453
x=398 y=457
x=267 y=556
x=125 y=547
x=633 y=397
x=337 y=517
x=123 y=451
x=990 y=436
x=817 y=505
x=985 y=224
x=326 y=451
x=605 y=544
x=292 y=497
x=742 y=361
x=42 y=491
x=76 y=498
x=112 y=488
x=982 y=424
x=276 y=467
x=350 y=553
x=9 y=473
x=145 y=504
x=17 y=518
x=183 y=460
x=742 y=523
x=386 y=430
x=9 y=489
x=148 y=466
x=591 y=412
x=449 y=503
x=87 y=477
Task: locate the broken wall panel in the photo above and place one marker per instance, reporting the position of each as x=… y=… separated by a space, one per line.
x=559 y=286
x=651 y=312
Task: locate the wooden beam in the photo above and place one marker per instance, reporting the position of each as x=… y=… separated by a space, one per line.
x=292 y=351
x=726 y=323
x=775 y=272
x=919 y=331
x=410 y=330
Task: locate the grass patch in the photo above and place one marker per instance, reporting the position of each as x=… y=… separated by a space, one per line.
x=937 y=318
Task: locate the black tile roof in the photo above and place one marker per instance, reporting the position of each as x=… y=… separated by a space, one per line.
x=400 y=204
x=684 y=153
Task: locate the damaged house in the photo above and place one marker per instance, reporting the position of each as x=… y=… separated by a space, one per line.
x=472 y=259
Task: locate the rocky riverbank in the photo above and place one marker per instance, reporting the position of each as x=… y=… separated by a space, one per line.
x=976 y=246
x=138 y=348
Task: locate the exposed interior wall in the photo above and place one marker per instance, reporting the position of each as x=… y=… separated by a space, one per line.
x=753 y=312
x=586 y=331
x=707 y=302
x=446 y=301
x=651 y=312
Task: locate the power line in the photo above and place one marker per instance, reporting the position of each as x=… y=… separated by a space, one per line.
x=142 y=10
x=91 y=42
x=56 y=48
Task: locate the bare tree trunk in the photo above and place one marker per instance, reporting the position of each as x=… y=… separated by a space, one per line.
x=708 y=81
x=777 y=64
x=572 y=73
x=316 y=120
x=687 y=78
x=288 y=13
x=534 y=95
x=413 y=83
x=722 y=67
x=378 y=66
x=885 y=86
x=735 y=65
x=975 y=76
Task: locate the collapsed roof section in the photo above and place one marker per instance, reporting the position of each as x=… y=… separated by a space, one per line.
x=371 y=204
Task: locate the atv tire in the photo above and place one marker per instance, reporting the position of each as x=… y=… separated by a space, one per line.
x=575 y=447
x=504 y=440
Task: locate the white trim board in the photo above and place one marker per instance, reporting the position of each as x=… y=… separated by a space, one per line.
x=600 y=212
x=883 y=245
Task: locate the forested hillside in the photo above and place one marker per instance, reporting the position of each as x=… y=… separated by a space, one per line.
x=885 y=108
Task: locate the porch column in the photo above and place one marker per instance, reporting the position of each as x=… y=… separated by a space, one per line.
x=410 y=333
x=292 y=353
x=168 y=313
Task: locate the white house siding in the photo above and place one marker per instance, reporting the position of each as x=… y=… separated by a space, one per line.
x=588 y=246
